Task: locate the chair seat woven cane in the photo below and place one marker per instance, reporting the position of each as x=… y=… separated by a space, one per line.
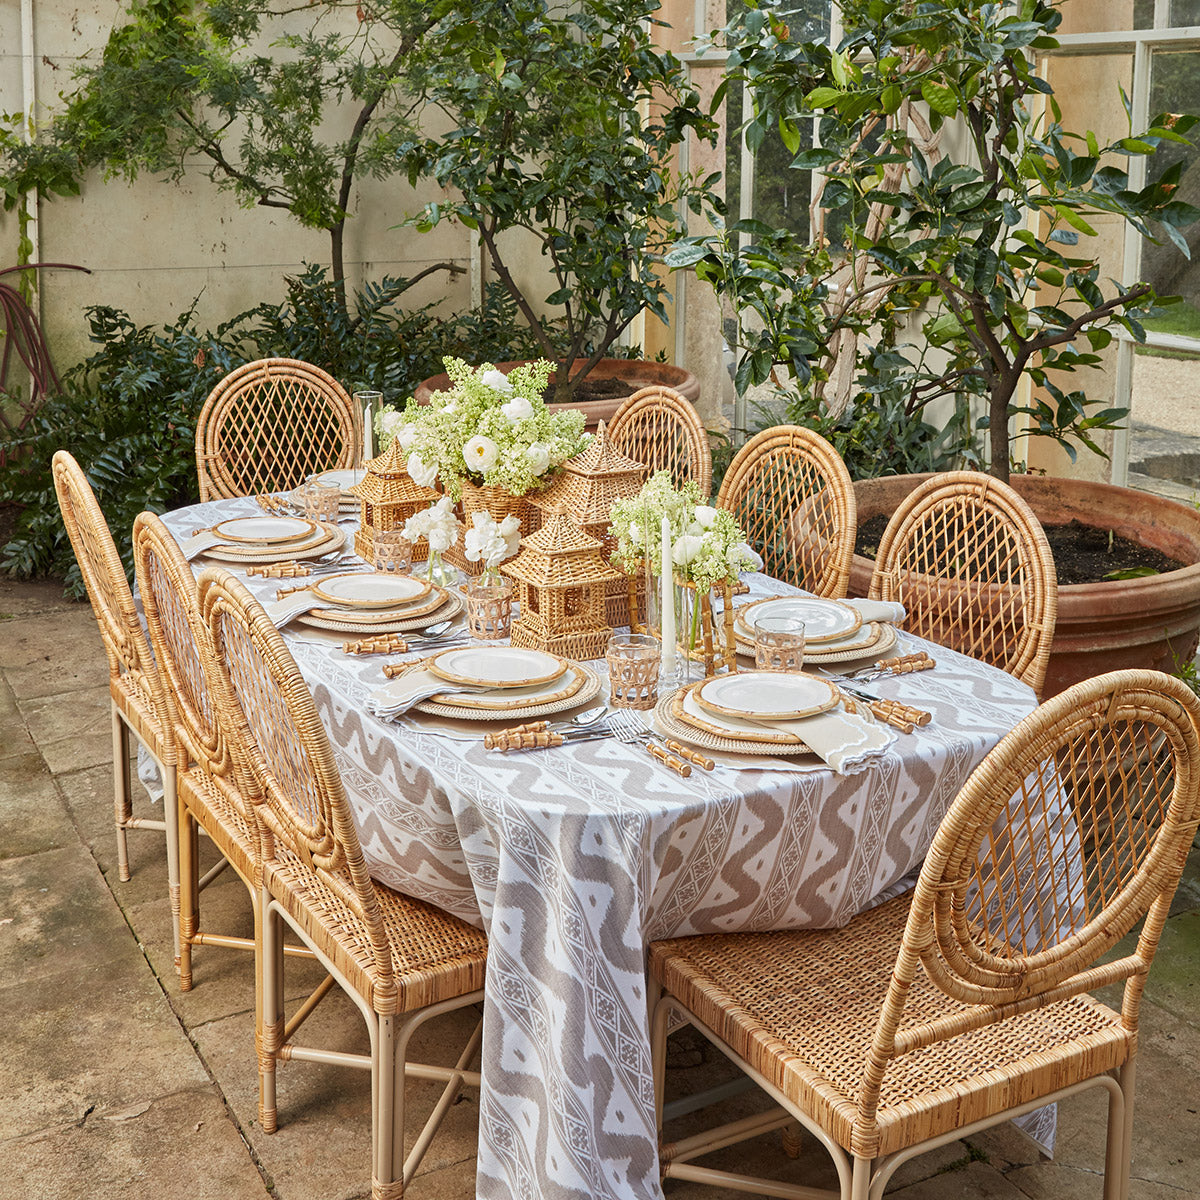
x=792 y=494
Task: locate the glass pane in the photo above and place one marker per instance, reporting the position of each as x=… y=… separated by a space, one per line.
x=1185 y=12
x=1100 y=16
x=1164 y=425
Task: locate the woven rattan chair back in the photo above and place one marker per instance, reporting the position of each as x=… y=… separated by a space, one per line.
x=271 y=720
x=970 y=562
x=1075 y=828
x=791 y=493
x=103 y=575
x=268 y=425
x=180 y=641
x=659 y=427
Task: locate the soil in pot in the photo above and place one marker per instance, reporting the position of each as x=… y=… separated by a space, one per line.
x=1082 y=553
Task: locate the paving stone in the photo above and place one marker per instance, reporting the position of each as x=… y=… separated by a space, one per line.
x=52 y=653
x=32 y=814
x=26 y=597
x=181 y=1144
x=73 y=729
x=321 y=1150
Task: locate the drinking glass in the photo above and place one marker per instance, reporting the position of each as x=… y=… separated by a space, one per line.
x=778 y=644
x=367 y=404
x=321 y=501
x=633 y=660
x=489 y=608
x=393 y=552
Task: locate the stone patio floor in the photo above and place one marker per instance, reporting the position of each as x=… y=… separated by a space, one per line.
x=115 y=1085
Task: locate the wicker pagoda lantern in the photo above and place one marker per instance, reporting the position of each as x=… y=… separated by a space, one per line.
x=388 y=496
x=586 y=489
x=561 y=575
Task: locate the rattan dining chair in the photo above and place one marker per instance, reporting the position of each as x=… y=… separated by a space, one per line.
x=970 y=562
x=400 y=960
x=965 y=1002
x=134 y=685
x=660 y=428
x=792 y=494
x=270 y=424
x=211 y=796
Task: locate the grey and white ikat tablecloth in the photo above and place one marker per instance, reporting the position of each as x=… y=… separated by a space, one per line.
x=574 y=859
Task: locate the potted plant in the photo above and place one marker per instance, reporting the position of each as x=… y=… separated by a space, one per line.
x=556 y=129
x=978 y=252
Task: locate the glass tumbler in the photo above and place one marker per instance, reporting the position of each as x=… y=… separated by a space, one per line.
x=321 y=501
x=489 y=608
x=393 y=552
x=633 y=661
x=778 y=644
x=367 y=404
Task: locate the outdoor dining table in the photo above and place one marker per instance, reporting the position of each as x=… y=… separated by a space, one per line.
x=574 y=859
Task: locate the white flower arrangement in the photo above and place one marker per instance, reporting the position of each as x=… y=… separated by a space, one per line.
x=490 y=541
x=437 y=524
x=707 y=546
x=489 y=428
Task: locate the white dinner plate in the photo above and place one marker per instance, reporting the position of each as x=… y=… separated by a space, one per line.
x=824 y=620
x=384 y=590
x=689 y=711
x=344 y=479
x=767 y=695
x=497 y=666
x=265 y=531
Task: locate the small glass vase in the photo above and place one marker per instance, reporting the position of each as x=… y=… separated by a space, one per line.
x=439 y=572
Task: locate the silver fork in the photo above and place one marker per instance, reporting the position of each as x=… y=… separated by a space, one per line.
x=627 y=727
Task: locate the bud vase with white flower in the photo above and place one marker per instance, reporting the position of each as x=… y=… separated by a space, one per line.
x=703 y=548
x=489 y=439
x=488 y=543
x=438 y=525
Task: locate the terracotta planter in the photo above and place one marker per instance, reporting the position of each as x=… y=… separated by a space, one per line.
x=634 y=372
x=1152 y=621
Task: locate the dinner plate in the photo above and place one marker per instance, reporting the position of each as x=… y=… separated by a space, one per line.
x=368 y=617
x=667 y=723
x=325 y=540
x=872 y=638
x=588 y=690
x=265 y=531
x=516 y=697
x=369 y=624
x=344 y=478
x=496 y=666
x=824 y=620
x=767 y=695
x=688 y=710
x=371 y=591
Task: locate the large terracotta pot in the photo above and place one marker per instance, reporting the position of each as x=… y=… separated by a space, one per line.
x=636 y=373
x=1152 y=621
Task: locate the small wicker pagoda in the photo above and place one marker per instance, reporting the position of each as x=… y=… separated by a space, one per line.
x=388 y=496
x=561 y=574
x=586 y=489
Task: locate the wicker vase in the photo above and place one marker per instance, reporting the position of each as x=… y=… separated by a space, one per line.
x=499 y=503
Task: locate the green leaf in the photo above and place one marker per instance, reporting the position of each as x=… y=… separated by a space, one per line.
x=939 y=97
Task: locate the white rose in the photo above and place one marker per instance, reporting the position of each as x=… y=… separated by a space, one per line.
x=539 y=457
x=390 y=421
x=473 y=544
x=480 y=454
x=509 y=526
x=685 y=549
x=705 y=515
x=406 y=435
x=497 y=381
x=440 y=539
x=443 y=510
x=422 y=474
x=517 y=409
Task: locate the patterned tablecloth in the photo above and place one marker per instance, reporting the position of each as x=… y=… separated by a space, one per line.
x=574 y=859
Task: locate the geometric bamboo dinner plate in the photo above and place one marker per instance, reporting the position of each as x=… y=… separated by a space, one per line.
x=265 y=531
x=669 y=724
x=496 y=666
x=764 y=696
x=504 y=700
x=589 y=689
x=400 y=621
x=824 y=620
x=688 y=711
x=873 y=638
x=370 y=590
x=326 y=539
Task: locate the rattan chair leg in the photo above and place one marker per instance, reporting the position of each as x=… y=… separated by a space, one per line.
x=269 y=1035
x=171 y=819
x=189 y=893
x=122 y=790
x=791 y=1137
x=1119 y=1148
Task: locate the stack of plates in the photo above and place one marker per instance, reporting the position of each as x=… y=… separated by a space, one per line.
x=374 y=603
x=273 y=539
x=750 y=713
x=833 y=632
x=344 y=478
x=520 y=682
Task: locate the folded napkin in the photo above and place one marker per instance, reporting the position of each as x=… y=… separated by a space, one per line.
x=290 y=607
x=887 y=611
x=198 y=543
x=410 y=689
